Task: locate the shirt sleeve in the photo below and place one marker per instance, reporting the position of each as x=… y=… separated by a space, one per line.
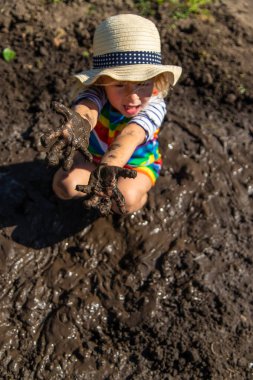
x=94 y=94
x=151 y=117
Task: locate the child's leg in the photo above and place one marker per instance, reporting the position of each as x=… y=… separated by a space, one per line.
x=135 y=191
x=64 y=183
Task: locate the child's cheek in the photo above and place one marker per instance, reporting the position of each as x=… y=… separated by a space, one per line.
x=145 y=101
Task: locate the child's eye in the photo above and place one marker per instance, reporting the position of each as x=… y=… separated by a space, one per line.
x=144 y=84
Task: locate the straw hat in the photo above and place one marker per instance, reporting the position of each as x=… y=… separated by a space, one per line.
x=127 y=47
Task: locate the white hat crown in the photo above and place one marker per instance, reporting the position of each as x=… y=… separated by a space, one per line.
x=126 y=32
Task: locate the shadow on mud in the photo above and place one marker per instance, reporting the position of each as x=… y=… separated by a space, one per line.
x=28 y=205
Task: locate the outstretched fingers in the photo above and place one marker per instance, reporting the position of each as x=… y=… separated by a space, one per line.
x=50 y=138
x=54 y=154
x=63 y=110
x=119 y=200
x=86 y=153
x=84 y=188
x=105 y=206
x=69 y=158
x=92 y=201
x=126 y=173
x=102 y=188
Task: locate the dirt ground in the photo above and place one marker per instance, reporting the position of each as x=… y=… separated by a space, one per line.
x=167 y=292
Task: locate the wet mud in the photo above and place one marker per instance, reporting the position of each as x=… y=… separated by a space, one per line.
x=164 y=293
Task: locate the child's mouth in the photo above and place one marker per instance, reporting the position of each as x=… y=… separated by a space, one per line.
x=132 y=110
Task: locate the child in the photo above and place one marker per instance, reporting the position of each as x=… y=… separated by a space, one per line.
x=115 y=119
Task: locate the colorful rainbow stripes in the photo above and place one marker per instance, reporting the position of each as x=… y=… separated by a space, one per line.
x=145 y=159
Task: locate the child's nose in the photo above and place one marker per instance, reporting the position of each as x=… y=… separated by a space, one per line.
x=131 y=92
x=133 y=96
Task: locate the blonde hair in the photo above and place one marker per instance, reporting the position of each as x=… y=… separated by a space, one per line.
x=162 y=83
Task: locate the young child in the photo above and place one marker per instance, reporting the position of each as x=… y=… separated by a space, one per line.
x=115 y=119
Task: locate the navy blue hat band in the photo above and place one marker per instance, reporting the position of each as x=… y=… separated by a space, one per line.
x=126 y=58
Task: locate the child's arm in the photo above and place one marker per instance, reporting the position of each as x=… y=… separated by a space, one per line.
x=124 y=145
x=139 y=130
x=102 y=187
x=88 y=110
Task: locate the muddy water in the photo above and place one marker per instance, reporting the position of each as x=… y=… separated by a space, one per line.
x=148 y=293
x=165 y=293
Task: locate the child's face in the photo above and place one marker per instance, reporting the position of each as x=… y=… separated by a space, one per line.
x=129 y=98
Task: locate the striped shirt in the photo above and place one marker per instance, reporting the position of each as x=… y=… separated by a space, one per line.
x=150 y=118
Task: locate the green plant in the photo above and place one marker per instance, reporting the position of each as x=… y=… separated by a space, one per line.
x=85 y=54
x=146 y=7
x=242 y=90
x=178 y=9
x=8 y=54
x=183 y=9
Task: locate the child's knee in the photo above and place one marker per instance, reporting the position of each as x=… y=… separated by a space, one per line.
x=64 y=183
x=64 y=188
x=60 y=189
x=134 y=200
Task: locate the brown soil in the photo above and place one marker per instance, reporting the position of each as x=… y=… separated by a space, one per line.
x=165 y=293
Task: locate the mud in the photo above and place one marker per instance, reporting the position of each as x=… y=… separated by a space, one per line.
x=62 y=143
x=165 y=293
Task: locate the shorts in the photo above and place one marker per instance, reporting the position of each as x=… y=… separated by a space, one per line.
x=152 y=170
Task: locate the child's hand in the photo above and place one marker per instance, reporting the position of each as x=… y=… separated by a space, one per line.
x=71 y=136
x=102 y=188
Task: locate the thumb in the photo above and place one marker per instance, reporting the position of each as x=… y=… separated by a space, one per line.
x=63 y=110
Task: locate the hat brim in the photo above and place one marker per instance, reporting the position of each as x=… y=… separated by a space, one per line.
x=138 y=73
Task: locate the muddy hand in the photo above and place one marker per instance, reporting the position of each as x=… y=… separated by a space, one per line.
x=102 y=188
x=71 y=136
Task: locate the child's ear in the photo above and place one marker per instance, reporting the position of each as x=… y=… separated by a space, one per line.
x=155 y=92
